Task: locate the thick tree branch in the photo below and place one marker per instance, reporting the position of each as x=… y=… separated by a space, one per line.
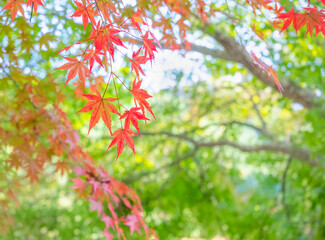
x=278 y=147
x=237 y=53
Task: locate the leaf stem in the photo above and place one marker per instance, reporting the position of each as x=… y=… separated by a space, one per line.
x=118 y=102
x=122 y=82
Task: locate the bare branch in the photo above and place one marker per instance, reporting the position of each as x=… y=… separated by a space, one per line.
x=258 y=114
x=300 y=153
x=239 y=54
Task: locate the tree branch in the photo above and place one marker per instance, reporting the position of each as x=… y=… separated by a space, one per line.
x=278 y=147
x=237 y=53
x=259 y=115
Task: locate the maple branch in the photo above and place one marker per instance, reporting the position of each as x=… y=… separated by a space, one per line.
x=17 y=86
x=238 y=53
x=10 y=77
x=300 y=153
x=41 y=111
x=262 y=131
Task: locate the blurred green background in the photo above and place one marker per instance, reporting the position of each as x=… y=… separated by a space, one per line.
x=227 y=158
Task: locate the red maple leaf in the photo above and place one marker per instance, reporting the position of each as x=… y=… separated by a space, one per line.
x=149 y=47
x=64 y=49
x=34 y=4
x=101 y=107
x=111 y=32
x=92 y=56
x=140 y=96
x=75 y=67
x=86 y=12
x=136 y=61
x=121 y=136
x=14 y=6
x=269 y=70
x=288 y=18
x=105 y=38
x=132 y=116
x=312 y=18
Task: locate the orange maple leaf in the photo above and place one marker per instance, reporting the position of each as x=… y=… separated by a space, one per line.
x=75 y=67
x=61 y=166
x=105 y=6
x=32 y=169
x=182 y=28
x=121 y=136
x=136 y=19
x=140 y=96
x=101 y=107
x=14 y=6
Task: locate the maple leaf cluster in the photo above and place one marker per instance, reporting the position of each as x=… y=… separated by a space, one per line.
x=111 y=22
x=103 y=42
x=311 y=17
x=107 y=196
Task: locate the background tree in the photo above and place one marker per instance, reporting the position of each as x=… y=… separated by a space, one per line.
x=228 y=156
